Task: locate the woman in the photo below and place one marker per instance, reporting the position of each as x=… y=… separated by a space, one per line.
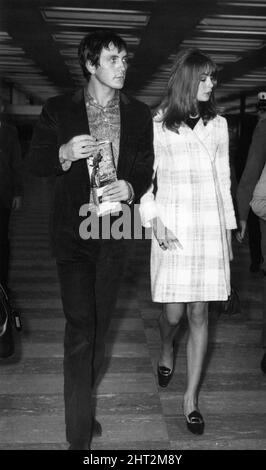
x=191 y=215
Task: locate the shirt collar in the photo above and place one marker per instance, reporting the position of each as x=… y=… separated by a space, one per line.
x=90 y=101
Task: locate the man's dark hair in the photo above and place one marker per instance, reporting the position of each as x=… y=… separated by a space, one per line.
x=91 y=46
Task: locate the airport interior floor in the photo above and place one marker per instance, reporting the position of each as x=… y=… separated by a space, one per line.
x=134 y=411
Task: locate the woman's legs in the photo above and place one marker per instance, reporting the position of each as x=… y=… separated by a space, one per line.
x=168 y=325
x=196 y=350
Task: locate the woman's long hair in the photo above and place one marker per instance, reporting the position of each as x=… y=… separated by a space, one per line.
x=180 y=100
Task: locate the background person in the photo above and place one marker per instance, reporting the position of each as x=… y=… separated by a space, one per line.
x=11 y=187
x=255 y=163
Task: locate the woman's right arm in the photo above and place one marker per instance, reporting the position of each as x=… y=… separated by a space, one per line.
x=149 y=212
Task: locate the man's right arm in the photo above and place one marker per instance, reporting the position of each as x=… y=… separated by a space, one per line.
x=47 y=156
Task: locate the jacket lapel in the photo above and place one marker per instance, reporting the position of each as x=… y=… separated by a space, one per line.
x=126 y=116
x=79 y=125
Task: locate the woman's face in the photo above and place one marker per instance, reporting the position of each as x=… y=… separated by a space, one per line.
x=205 y=87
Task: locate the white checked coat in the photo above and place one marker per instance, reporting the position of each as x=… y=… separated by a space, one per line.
x=193 y=199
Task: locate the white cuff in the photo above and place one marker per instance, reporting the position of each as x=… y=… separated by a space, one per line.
x=148 y=211
x=132 y=194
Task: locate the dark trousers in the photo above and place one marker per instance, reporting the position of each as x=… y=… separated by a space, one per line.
x=4 y=244
x=254 y=239
x=89 y=288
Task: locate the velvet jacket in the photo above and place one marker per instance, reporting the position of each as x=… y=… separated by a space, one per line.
x=64 y=117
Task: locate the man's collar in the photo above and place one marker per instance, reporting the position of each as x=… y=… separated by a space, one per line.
x=92 y=101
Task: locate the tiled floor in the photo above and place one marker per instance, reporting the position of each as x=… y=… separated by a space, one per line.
x=134 y=412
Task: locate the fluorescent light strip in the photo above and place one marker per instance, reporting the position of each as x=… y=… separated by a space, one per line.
x=96 y=25
x=241 y=17
x=231 y=31
x=95 y=10
x=15 y=61
x=252 y=80
x=223 y=44
x=236 y=85
x=236 y=23
x=99 y=15
x=243 y=4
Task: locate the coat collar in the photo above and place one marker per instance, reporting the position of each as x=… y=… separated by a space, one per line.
x=202 y=131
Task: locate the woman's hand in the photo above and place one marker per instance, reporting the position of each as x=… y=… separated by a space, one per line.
x=164 y=236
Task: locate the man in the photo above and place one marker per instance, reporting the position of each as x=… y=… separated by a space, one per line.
x=89 y=270
x=254 y=166
x=11 y=188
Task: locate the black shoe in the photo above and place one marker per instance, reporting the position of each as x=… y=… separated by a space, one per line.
x=195 y=422
x=79 y=445
x=96 y=428
x=164 y=375
x=263 y=363
x=83 y=444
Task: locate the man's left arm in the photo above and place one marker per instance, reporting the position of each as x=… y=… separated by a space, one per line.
x=140 y=176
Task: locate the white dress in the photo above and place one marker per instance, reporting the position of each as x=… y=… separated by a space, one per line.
x=193 y=200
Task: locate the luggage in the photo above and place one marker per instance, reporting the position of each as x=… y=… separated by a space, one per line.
x=8 y=319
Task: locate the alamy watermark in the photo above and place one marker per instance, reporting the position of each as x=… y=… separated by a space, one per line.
x=123 y=225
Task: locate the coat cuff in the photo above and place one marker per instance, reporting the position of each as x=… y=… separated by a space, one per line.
x=148 y=211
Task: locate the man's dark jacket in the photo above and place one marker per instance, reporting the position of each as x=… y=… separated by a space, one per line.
x=64 y=117
x=11 y=176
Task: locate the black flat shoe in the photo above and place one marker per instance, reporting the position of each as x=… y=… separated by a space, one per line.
x=164 y=375
x=195 y=422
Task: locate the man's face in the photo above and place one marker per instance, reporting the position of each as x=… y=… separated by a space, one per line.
x=112 y=67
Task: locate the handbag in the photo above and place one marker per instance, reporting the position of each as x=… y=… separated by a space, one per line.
x=8 y=318
x=231 y=306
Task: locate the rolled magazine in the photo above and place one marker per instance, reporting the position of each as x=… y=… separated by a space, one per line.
x=103 y=173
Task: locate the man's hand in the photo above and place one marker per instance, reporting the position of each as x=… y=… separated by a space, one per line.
x=17 y=203
x=117 y=191
x=165 y=237
x=80 y=146
x=240 y=234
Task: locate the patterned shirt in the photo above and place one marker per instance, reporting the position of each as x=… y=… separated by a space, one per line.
x=104 y=122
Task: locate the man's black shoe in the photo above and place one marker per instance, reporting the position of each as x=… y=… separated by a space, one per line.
x=96 y=428
x=79 y=445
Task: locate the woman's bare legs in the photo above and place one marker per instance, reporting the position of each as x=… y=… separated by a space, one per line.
x=168 y=325
x=197 y=314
